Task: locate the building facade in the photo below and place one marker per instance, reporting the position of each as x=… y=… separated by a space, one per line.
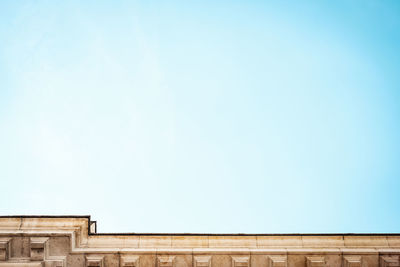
x=27 y=241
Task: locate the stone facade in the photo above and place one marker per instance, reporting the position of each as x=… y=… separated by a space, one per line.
x=73 y=241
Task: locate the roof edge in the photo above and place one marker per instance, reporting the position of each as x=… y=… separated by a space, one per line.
x=88 y=217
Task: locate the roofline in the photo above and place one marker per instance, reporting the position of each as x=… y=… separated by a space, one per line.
x=88 y=217
x=46 y=216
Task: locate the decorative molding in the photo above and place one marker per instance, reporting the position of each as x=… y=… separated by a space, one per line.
x=95 y=261
x=202 y=261
x=38 y=254
x=22 y=264
x=38 y=245
x=165 y=261
x=316 y=262
x=77 y=228
x=352 y=261
x=130 y=261
x=242 y=261
x=390 y=261
x=4 y=248
x=58 y=263
x=277 y=261
x=43 y=241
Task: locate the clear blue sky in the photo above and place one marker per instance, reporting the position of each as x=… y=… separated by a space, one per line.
x=197 y=116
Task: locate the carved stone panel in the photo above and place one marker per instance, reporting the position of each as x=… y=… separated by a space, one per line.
x=94 y=261
x=38 y=248
x=130 y=261
x=242 y=261
x=352 y=261
x=316 y=262
x=390 y=261
x=4 y=248
x=277 y=261
x=165 y=261
x=202 y=261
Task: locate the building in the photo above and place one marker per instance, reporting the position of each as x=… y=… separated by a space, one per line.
x=33 y=241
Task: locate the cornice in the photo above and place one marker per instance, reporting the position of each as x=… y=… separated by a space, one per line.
x=85 y=240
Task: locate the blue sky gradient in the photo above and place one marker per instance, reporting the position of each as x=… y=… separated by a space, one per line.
x=202 y=116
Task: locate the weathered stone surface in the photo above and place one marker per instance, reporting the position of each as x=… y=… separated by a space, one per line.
x=73 y=241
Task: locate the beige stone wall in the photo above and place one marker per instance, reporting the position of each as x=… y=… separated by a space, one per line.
x=72 y=241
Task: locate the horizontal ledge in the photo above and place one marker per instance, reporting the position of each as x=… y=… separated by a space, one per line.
x=88 y=219
x=233 y=251
x=244 y=234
